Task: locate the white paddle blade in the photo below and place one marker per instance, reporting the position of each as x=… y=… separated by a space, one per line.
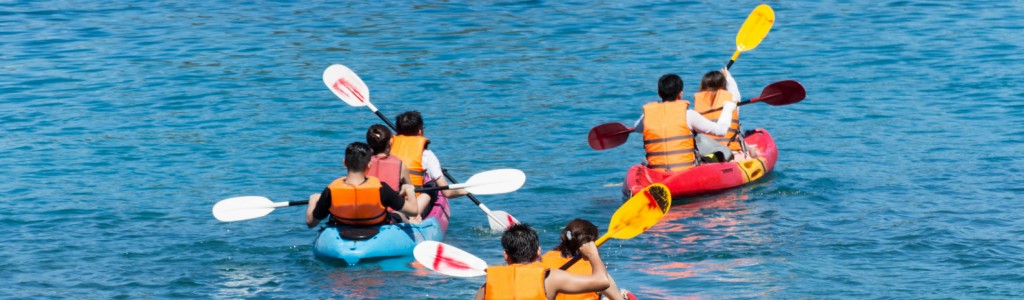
x=347 y=85
x=448 y=260
x=498 y=181
x=242 y=208
x=504 y=217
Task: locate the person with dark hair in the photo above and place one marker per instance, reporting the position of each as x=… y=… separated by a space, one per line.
x=574 y=235
x=411 y=146
x=389 y=168
x=668 y=127
x=357 y=199
x=525 y=278
x=717 y=88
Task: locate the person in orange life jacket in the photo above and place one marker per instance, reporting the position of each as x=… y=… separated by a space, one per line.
x=389 y=168
x=576 y=233
x=525 y=278
x=668 y=127
x=411 y=146
x=357 y=199
x=717 y=88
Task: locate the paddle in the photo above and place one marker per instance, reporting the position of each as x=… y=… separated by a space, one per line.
x=350 y=88
x=251 y=207
x=611 y=135
x=608 y=135
x=635 y=216
x=448 y=260
x=497 y=220
x=639 y=213
x=248 y=208
x=754 y=29
x=784 y=92
x=491 y=182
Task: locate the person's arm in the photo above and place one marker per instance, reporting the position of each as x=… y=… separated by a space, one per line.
x=433 y=168
x=559 y=281
x=319 y=207
x=699 y=123
x=612 y=292
x=405 y=177
x=404 y=201
x=730 y=85
x=638 y=127
x=480 y=293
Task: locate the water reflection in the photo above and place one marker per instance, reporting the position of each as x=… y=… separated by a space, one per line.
x=245 y=282
x=704 y=235
x=690 y=219
x=346 y=283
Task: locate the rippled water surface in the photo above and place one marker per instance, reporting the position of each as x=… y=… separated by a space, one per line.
x=123 y=122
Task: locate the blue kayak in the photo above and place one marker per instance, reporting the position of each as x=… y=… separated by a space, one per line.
x=392 y=240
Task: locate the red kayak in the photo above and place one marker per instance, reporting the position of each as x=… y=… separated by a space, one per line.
x=709 y=177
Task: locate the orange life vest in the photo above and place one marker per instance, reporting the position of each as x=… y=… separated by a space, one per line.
x=516 y=282
x=387 y=168
x=667 y=139
x=357 y=205
x=708 y=100
x=410 y=150
x=553 y=259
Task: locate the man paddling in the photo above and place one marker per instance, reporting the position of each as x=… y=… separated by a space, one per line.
x=360 y=200
x=668 y=127
x=525 y=278
x=411 y=146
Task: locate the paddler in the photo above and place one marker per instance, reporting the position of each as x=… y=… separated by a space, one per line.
x=717 y=88
x=411 y=146
x=668 y=127
x=389 y=168
x=360 y=200
x=575 y=234
x=525 y=278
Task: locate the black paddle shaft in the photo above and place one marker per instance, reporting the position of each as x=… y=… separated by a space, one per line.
x=570 y=263
x=386 y=120
x=452 y=179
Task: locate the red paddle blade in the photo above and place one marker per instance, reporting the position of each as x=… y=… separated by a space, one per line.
x=608 y=135
x=783 y=93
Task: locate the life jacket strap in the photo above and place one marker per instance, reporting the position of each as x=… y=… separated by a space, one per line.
x=669 y=139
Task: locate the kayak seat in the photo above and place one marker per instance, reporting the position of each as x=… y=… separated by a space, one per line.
x=358 y=232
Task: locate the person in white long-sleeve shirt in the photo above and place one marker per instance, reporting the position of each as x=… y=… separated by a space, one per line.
x=411 y=146
x=717 y=88
x=668 y=126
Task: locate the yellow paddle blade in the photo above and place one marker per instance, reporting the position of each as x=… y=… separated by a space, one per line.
x=758 y=23
x=639 y=213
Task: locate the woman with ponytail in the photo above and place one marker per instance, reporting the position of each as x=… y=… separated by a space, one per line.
x=575 y=234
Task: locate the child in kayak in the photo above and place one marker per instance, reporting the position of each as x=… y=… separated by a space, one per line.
x=389 y=168
x=525 y=278
x=575 y=234
x=357 y=199
x=717 y=88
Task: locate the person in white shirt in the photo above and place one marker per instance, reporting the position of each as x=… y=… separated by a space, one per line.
x=411 y=146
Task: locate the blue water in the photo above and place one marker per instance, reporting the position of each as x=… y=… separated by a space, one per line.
x=123 y=122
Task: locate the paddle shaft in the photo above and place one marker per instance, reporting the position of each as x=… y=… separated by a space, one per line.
x=290 y=203
x=382 y=117
x=742 y=103
x=600 y=241
x=446 y=175
x=734 y=57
